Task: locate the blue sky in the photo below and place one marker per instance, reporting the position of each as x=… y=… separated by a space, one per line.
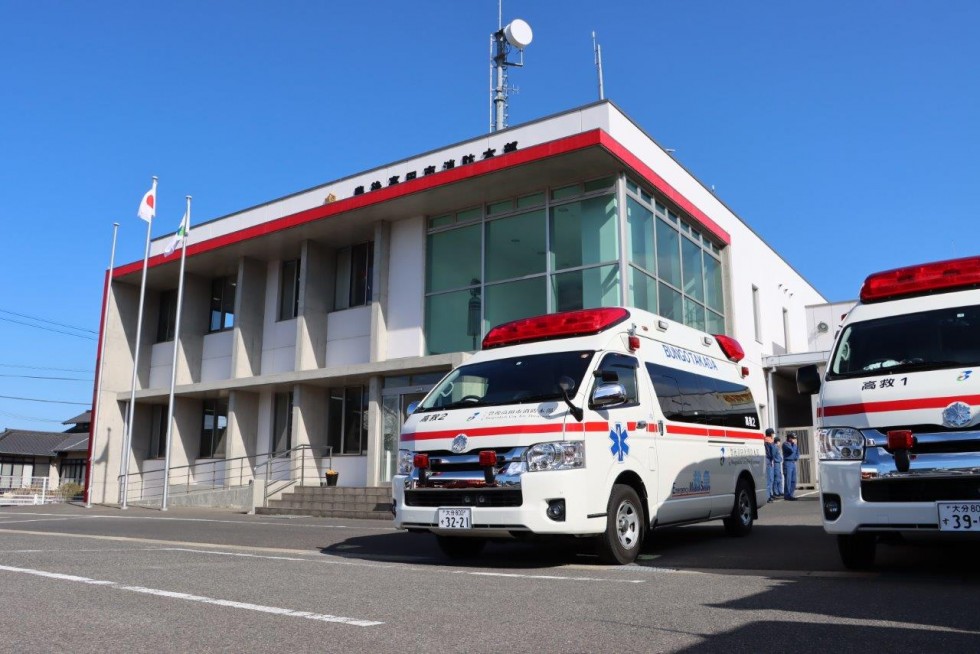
x=845 y=133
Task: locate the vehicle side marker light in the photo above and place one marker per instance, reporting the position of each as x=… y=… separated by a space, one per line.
x=634 y=343
x=421 y=461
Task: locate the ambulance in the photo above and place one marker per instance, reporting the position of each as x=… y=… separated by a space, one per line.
x=600 y=423
x=899 y=410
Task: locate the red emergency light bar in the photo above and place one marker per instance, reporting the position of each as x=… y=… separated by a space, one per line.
x=936 y=277
x=554 y=325
x=732 y=348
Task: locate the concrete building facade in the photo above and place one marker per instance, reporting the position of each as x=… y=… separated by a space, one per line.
x=310 y=322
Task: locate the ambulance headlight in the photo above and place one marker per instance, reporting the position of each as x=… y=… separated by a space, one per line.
x=564 y=455
x=840 y=444
x=405 y=464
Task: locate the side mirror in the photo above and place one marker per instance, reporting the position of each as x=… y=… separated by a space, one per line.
x=411 y=408
x=807 y=380
x=608 y=395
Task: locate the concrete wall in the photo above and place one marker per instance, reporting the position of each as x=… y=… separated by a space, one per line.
x=405 y=316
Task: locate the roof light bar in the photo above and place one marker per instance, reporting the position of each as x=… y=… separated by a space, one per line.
x=732 y=348
x=937 y=277
x=554 y=325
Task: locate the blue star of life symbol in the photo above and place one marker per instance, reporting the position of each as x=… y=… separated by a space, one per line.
x=619 y=447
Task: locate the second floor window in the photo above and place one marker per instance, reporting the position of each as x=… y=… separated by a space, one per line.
x=355 y=270
x=222 y=304
x=289 y=290
x=168 y=316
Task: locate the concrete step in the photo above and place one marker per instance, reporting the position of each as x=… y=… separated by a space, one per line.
x=333 y=501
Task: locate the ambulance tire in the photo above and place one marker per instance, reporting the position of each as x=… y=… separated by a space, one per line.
x=857 y=551
x=625 y=527
x=458 y=547
x=739 y=523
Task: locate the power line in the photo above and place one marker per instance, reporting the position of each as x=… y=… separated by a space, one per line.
x=50 y=322
x=14 y=365
x=80 y=379
x=29 y=418
x=34 y=399
x=48 y=329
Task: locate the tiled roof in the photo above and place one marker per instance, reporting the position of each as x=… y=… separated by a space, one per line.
x=24 y=442
x=83 y=418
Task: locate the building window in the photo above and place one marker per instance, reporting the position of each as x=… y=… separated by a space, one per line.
x=675 y=270
x=72 y=471
x=289 y=290
x=347 y=420
x=786 y=332
x=520 y=257
x=158 y=433
x=756 y=314
x=222 y=304
x=213 y=429
x=282 y=422
x=355 y=272
x=167 y=321
x=13 y=470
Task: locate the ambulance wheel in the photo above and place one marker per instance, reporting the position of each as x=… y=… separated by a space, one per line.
x=857 y=551
x=739 y=523
x=625 y=527
x=456 y=547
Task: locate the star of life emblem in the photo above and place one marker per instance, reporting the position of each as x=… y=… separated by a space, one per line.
x=957 y=414
x=459 y=443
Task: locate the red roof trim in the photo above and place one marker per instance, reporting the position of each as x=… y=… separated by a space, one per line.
x=539 y=152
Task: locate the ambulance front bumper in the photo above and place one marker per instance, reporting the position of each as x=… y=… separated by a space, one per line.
x=517 y=509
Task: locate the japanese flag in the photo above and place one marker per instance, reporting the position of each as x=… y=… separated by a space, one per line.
x=148 y=207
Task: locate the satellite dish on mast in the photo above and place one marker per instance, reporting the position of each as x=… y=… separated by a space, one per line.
x=518 y=34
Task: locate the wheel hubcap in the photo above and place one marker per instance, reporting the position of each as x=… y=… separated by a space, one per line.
x=745 y=507
x=627 y=525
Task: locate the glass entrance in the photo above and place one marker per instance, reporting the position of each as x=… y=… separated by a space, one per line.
x=394 y=411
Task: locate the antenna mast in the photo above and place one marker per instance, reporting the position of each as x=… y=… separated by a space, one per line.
x=516 y=34
x=597 y=49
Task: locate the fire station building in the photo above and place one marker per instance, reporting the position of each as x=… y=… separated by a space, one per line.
x=310 y=322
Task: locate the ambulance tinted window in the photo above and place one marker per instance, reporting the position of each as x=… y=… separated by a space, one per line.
x=624 y=368
x=689 y=397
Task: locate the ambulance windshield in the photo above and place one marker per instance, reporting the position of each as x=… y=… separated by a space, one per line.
x=930 y=340
x=516 y=380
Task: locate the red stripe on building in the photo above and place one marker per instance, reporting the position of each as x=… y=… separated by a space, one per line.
x=896 y=405
x=534 y=153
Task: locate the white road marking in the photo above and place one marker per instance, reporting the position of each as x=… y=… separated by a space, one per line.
x=274 y=610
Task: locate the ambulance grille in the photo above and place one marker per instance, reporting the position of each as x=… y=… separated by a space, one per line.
x=450 y=497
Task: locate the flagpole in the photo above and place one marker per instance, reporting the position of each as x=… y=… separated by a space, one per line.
x=128 y=438
x=97 y=404
x=186 y=227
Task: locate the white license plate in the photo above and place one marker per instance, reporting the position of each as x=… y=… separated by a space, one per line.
x=959 y=516
x=455 y=518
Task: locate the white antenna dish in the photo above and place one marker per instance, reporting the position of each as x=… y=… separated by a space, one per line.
x=518 y=34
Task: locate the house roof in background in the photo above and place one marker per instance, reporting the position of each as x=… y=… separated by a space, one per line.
x=23 y=442
x=83 y=418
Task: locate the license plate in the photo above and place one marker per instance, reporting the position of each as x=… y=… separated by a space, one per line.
x=460 y=518
x=959 y=516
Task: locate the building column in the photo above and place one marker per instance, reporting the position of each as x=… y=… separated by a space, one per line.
x=310 y=428
x=316 y=299
x=246 y=351
x=242 y=435
x=375 y=435
x=379 y=285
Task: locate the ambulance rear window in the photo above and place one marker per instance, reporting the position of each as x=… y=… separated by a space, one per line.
x=690 y=397
x=928 y=340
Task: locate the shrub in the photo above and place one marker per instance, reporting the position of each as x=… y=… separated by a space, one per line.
x=70 y=490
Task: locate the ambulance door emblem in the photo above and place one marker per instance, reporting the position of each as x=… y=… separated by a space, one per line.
x=957 y=414
x=459 y=443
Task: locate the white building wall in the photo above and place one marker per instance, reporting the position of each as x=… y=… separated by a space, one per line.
x=278 y=336
x=161 y=364
x=823 y=322
x=349 y=336
x=406 y=289
x=216 y=357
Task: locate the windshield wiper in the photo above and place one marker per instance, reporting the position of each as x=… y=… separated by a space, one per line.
x=910 y=366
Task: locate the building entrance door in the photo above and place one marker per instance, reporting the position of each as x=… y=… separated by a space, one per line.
x=394 y=411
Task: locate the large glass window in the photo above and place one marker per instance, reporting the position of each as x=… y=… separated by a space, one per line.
x=355 y=272
x=214 y=427
x=347 y=420
x=167 y=321
x=222 y=304
x=158 y=432
x=584 y=233
x=516 y=246
x=453 y=259
x=289 y=290
x=515 y=300
x=282 y=422
x=587 y=288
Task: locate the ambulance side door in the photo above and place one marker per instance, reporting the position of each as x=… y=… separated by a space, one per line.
x=687 y=461
x=630 y=437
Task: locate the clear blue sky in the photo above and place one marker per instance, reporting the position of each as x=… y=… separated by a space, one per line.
x=845 y=133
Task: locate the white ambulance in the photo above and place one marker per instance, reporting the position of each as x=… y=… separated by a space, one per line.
x=899 y=407
x=597 y=423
